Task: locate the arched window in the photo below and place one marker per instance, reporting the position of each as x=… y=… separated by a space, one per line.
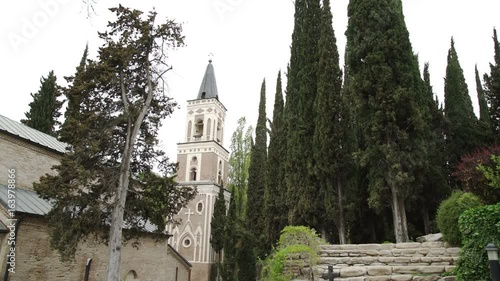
x=190 y=125
x=209 y=126
x=192 y=174
x=131 y=275
x=219 y=131
x=219 y=179
x=199 y=207
x=198 y=132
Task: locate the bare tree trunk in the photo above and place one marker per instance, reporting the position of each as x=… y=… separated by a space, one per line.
x=133 y=126
x=426 y=219
x=341 y=220
x=399 y=216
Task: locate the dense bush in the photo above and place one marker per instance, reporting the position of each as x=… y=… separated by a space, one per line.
x=296 y=245
x=479 y=227
x=450 y=210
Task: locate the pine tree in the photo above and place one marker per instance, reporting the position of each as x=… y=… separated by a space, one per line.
x=275 y=206
x=44 y=109
x=461 y=136
x=217 y=227
x=330 y=150
x=299 y=115
x=492 y=88
x=257 y=178
x=107 y=179
x=383 y=76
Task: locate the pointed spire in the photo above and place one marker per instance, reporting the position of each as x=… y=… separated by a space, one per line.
x=208 y=88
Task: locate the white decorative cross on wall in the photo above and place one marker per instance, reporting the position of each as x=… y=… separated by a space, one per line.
x=189 y=213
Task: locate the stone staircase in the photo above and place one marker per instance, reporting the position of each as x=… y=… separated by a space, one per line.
x=387 y=262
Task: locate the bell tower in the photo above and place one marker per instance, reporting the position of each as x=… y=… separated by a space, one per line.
x=203 y=163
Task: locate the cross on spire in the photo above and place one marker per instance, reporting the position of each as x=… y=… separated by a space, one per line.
x=210 y=56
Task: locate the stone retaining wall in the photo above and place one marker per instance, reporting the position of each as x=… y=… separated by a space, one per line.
x=386 y=262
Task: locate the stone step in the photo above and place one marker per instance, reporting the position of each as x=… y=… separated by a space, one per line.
x=401 y=249
x=388 y=260
x=384 y=270
x=396 y=277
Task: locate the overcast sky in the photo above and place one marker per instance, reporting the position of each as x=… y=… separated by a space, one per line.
x=250 y=40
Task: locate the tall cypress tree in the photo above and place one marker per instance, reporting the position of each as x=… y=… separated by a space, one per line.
x=492 y=88
x=218 y=227
x=275 y=207
x=299 y=115
x=74 y=93
x=433 y=185
x=461 y=136
x=330 y=150
x=44 y=109
x=485 y=127
x=257 y=178
x=382 y=73
x=230 y=242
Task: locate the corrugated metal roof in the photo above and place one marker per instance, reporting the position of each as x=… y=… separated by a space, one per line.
x=26 y=201
x=29 y=202
x=30 y=134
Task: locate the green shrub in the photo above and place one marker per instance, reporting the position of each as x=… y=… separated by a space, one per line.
x=297 y=244
x=450 y=210
x=479 y=227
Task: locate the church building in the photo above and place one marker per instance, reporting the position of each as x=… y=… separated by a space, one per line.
x=203 y=163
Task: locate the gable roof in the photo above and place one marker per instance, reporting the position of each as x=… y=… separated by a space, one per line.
x=179 y=256
x=22 y=131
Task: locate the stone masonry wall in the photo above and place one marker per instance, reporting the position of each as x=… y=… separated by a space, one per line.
x=149 y=260
x=386 y=262
x=29 y=161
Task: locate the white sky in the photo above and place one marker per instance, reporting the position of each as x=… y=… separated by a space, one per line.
x=250 y=40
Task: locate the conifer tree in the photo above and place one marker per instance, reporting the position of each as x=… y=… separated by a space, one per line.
x=484 y=126
x=484 y=116
x=299 y=115
x=230 y=242
x=383 y=76
x=434 y=187
x=257 y=175
x=107 y=180
x=331 y=156
x=492 y=88
x=275 y=206
x=217 y=226
x=74 y=93
x=461 y=136
x=44 y=109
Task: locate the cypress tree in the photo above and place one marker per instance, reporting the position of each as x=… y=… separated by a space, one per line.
x=74 y=93
x=485 y=127
x=217 y=226
x=299 y=115
x=461 y=136
x=257 y=178
x=231 y=227
x=382 y=73
x=492 y=88
x=275 y=206
x=330 y=150
x=44 y=109
x=434 y=186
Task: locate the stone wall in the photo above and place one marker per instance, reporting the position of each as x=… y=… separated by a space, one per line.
x=385 y=262
x=146 y=260
x=29 y=161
